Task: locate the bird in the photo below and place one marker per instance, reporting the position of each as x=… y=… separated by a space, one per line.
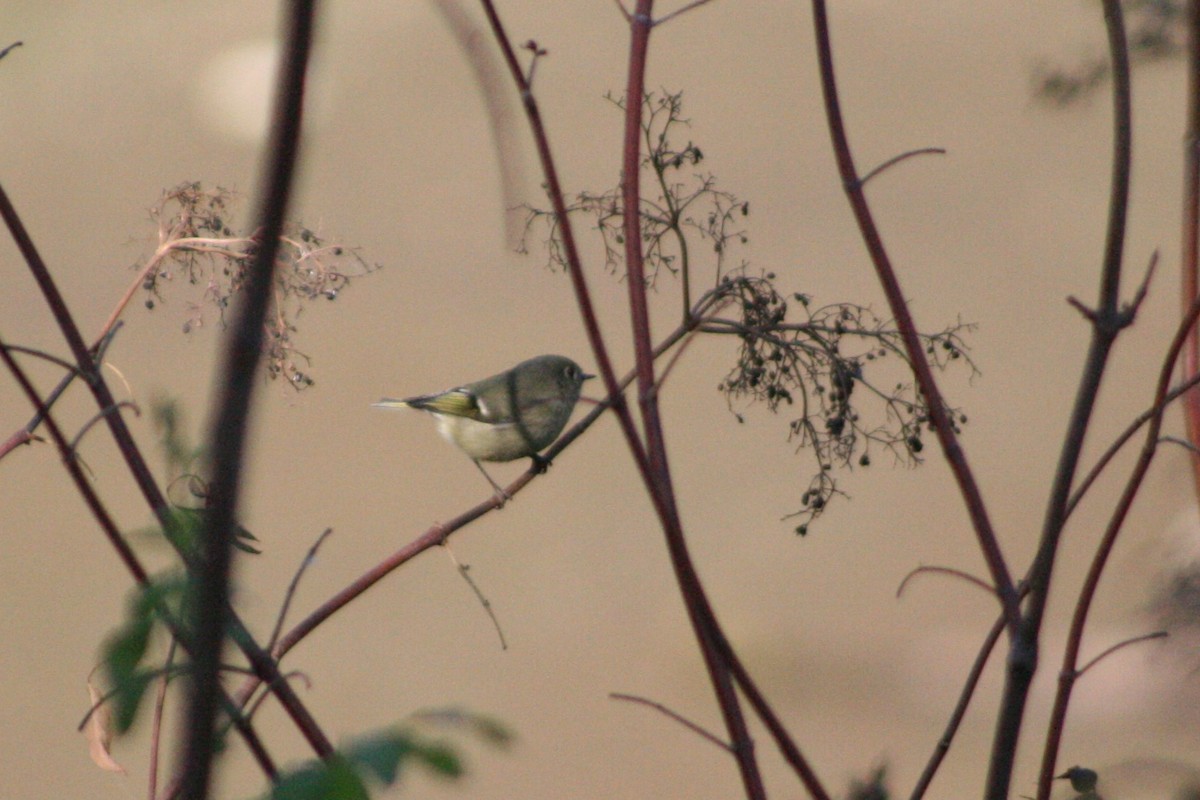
x=510 y=415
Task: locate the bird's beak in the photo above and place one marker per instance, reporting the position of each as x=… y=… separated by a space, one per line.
x=587 y=377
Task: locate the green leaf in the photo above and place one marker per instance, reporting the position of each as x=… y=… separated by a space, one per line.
x=128 y=698
x=335 y=779
x=441 y=759
x=382 y=753
x=126 y=647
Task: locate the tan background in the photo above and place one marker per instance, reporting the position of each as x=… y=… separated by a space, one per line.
x=107 y=104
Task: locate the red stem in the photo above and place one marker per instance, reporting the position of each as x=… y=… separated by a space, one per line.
x=1068 y=672
x=661 y=488
x=943 y=428
x=1190 y=261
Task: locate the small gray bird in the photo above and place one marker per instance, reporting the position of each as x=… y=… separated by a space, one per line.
x=514 y=414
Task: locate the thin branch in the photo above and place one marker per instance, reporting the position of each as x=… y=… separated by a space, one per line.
x=1184 y=443
x=1067 y=672
x=464 y=571
x=682 y=720
x=160 y=701
x=659 y=485
x=1107 y=456
x=1190 y=246
x=960 y=709
x=1108 y=323
x=309 y=558
x=10 y=48
x=26 y=434
x=42 y=354
x=1146 y=637
x=683 y=10
x=87 y=426
x=894 y=160
x=922 y=372
x=957 y=573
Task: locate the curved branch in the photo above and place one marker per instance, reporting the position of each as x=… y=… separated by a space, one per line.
x=922 y=372
x=957 y=573
x=1067 y=672
x=894 y=160
x=682 y=720
x=1146 y=637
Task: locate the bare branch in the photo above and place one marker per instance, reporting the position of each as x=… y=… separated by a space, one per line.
x=956 y=573
x=309 y=558
x=1119 y=645
x=682 y=720
x=893 y=161
x=682 y=10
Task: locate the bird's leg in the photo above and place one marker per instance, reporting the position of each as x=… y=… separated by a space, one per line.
x=540 y=465
x=502 y=496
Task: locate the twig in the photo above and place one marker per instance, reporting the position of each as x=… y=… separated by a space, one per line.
x=160 y=701
x=252 y=708
x=1184 y=443
x=291 y=590
x=42 y=354
x=683 y=10
x=1119 y=645
x=957 y=573
x=463 y=570
x=960 y=709
x=1124 y=437
x=98 y=349
x=10 y=48
x=87 y=426
x=894 y=160
x=1190 y=224
x=682 y=720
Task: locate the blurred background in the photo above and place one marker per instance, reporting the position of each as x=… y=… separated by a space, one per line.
x=106 y=105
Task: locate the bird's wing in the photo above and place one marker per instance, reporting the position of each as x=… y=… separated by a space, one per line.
x=455 y=403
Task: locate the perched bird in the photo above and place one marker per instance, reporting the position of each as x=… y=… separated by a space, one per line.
x=514 y=414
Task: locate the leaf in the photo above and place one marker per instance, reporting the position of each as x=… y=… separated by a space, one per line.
x=126 y=646
x=99 y=730
x=319 y=780
x=489 y=729
x=187 y=525
x=442 y=760
x=381 y=753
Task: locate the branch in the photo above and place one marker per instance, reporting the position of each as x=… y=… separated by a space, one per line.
x=1106 y=326
x=943 y=426
x=682 y=720
x=957 y=573
x=1146 y=637
x=960 y=710
x=124 y=551
x=1190 y=255
x=229 y=430
x=1068 y=672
